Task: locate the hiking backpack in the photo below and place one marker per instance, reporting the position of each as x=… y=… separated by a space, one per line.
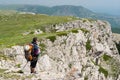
x=31 y=50
x=28 y=50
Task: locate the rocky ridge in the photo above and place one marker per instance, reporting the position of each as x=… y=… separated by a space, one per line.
x=83 y=50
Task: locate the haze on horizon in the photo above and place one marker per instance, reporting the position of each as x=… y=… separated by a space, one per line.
x=99 y=6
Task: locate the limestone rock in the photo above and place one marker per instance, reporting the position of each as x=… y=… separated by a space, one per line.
x=85 y=55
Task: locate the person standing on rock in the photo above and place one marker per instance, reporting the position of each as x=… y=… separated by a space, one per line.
x=35 y=53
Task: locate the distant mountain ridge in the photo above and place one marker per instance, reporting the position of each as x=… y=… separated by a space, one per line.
x=66 y=10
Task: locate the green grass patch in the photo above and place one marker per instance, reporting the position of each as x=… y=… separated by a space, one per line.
x=13 y=26
x=3 y=57
x=70 y=65
x=106 y=57
x=42 y=49
x=18 y=65
x=62 y=33
x=74 y=30
x=52 y=38
x=84 y=30
x=88 y=46
x=104 y=71
x=2 y=70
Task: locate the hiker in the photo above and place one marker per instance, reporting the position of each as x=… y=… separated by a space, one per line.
x=35 y=53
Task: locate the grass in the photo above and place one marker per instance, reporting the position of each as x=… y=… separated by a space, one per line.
x=52 y=38
x=104 y=71
x=84 y=30
x=12 y=27
x=106 y=57
x=18 y=65
x=70 y=65
x=88 y=46
x=2 y=70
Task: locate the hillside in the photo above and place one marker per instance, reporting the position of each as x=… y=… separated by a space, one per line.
x=68 y=10
x=80 y=49
x=14 y=25
x=65 y=10
x=71 y=48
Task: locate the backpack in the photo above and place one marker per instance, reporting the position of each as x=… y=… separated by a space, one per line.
x=31 y=50
x=36 y=50
x=27 y=52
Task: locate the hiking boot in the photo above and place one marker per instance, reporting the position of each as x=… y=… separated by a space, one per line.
x=34 y=72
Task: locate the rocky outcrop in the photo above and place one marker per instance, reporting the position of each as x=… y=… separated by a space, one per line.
x=82 y=50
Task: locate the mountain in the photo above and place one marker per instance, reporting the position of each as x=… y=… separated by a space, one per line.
x=65 y=10
x=77 y=50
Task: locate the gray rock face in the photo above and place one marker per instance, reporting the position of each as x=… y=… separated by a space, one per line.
x=87 y=54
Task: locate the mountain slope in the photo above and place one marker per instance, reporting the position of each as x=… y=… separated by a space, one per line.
x=78 y=50
x=65 y=10
x=14 y=25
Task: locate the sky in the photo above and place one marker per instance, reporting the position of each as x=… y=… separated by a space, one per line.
x=100 y=6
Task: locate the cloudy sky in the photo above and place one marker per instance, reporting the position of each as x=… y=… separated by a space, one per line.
x=102 y=6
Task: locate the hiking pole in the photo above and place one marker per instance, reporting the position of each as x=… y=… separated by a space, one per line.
x=25 y=65
x=21 y=71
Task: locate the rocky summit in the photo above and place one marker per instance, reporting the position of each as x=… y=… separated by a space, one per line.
x=81 y=50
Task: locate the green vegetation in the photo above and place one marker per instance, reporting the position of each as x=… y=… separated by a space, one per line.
x=84 y=30
x=106 y=57
x=115 y=67
x=13 y=26
x=18 y=65
x=4 y=57
x=70 y=65
x=67 y=10
x=62 y=33
x=86 y=78
x=88 y=46
x=102 y=70
x=20 y=71
x=2 y=70
x=52 y=38
x=74 y=30
x=15 y=76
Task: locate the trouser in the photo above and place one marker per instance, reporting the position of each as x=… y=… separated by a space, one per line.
x=33 y=65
